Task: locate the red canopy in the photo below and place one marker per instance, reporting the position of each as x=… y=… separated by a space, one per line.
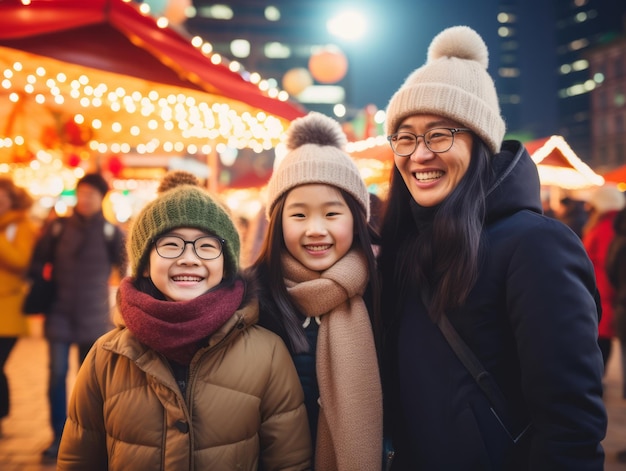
x=617 y=175
x=113 y=35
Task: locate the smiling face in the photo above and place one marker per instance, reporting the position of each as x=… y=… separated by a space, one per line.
x=318 y=226
x=187 y=276
x=431 y=177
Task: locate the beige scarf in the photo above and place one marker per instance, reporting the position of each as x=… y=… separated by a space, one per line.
x=349 y=435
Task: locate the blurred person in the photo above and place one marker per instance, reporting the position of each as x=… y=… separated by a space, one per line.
x=376 y=211
x=17 y=239
x=315 y=268
x=83 y=249
x=616 y=273
x=377 y=206
x=468 y=259
x=604 y=203
x=255 y=233
x=186 y=381
x=573 y=213
x=547 y=209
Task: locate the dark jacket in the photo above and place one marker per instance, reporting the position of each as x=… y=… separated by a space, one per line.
x=83 y=259
x=532 y=320
x=304 y=362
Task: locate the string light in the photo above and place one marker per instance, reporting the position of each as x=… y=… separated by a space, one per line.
x=578 y=177
x=67 y=89
x=141 y=110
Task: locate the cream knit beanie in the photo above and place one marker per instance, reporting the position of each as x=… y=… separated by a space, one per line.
x=453 y=83
x=607 y=198
x=315 y=143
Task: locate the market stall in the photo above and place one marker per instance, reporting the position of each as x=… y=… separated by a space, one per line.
x=559 y=166
x=561 y=172
x=103 y=83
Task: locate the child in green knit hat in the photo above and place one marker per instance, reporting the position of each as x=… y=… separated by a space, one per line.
x=186 y=380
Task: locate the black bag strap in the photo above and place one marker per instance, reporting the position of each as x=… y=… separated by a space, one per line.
x=483 y=378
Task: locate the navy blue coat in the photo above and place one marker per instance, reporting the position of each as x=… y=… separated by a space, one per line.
x=532 y=321
x=271 y=319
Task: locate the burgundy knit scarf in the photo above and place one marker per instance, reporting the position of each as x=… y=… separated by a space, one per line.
x=175 y=329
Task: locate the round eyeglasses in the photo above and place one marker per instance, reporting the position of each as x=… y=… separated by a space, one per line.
x=206 y=247
x=436 y=140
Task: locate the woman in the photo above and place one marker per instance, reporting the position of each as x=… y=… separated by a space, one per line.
x=17 y=239
x=464 y=239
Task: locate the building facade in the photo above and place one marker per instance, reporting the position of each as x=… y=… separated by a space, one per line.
x=607 y=66
x=581 y=25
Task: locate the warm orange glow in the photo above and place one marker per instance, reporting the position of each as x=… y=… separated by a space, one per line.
x=578 y=176
x=329 y=65
x=296 y=80
x=120 y=112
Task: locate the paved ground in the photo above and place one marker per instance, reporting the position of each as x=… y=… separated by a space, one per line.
x=26 y=432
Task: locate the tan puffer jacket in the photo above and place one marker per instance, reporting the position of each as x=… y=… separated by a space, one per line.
x=244 y=403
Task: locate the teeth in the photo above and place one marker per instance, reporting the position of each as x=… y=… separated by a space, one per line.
x=187 y=278
x=317 y=248
x=424 y=176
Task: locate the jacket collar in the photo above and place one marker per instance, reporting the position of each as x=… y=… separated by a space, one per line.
x=515 y=183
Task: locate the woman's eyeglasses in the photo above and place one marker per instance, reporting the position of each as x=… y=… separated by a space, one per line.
x=436 y=140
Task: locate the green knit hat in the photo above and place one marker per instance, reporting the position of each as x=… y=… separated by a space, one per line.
x=182 y=206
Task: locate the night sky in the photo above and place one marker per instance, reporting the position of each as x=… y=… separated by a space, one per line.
x=397 y=44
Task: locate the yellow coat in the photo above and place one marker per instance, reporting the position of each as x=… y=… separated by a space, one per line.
x=17 y=240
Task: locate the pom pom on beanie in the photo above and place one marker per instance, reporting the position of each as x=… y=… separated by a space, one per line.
x=315 y=145
x=175 y=178
x=182 y=205
x=454 y=83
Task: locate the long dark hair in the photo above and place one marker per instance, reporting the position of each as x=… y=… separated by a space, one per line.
x=443 y=257
x=269 y=272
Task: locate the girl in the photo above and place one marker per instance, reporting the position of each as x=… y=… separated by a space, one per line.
x=314 y=267
x=186 y=380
